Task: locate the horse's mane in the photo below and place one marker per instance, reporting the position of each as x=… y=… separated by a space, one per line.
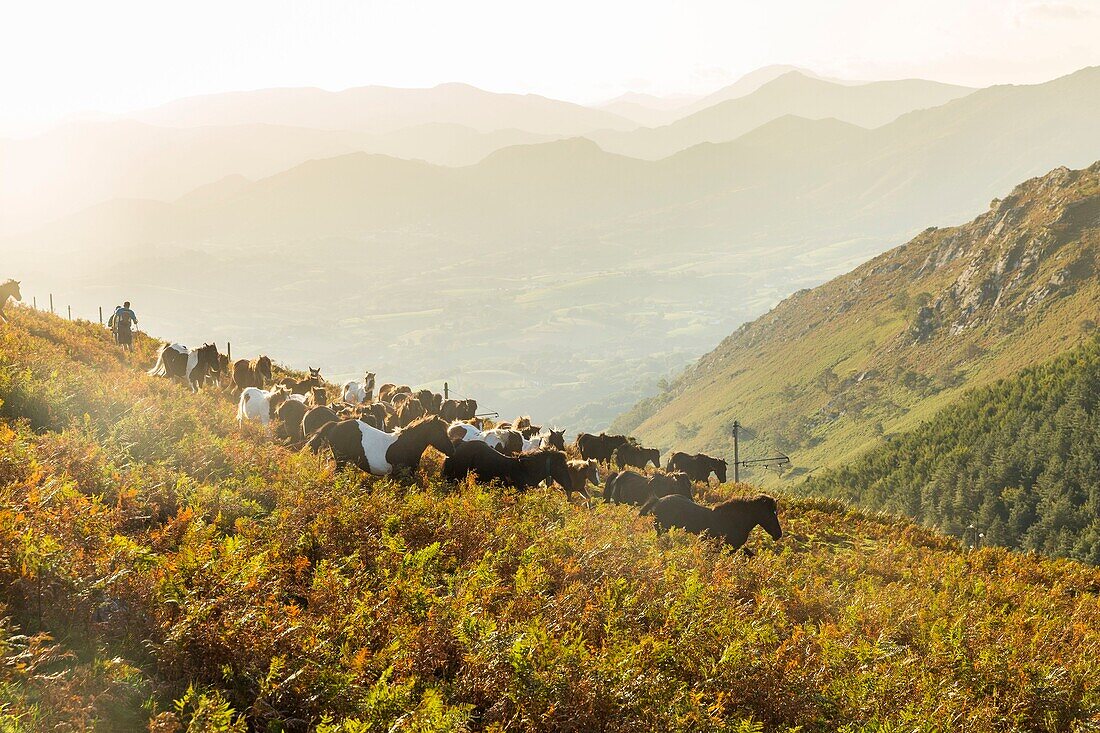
x=742 y=504
x=422 y=421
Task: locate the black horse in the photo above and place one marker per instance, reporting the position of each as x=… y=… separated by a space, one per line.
x=520 y=472
x=698 y=467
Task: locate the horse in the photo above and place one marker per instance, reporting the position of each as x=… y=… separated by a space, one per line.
x=698 y=467
x=258 y=404
x=359 y=394
x=431 y=401
x=583 y=472
x=303 y=386
x=313 y=419
x=520 y=472
x=255 y=373
x=507 y=441
x=524 y=426
x=458 y=410
x=636 y=489
x=555 y=439
x=410 y=410
x=379 y=453
x=176 y=361
x=317 y=397
x=10 y=289
x=387 y=392
x=599 y=446
x=462 y=432
x=635 y=455
x=732 y=520
x=289 y=416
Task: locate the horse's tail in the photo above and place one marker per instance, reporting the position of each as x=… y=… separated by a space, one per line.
x=242 y=405
x=648 y=507
x=159 y=370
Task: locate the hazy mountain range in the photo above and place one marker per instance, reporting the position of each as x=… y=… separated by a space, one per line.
x=551 y=276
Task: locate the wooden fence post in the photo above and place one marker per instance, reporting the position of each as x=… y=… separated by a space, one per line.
x=228 y=351
x=70 y=312
x=34 y=302
x=101 y=315
x=51 y=303
x=446 y=391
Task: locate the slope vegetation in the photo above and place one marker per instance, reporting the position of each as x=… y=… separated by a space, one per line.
x=160 y=569
x=1018 y=462
x=830 y=370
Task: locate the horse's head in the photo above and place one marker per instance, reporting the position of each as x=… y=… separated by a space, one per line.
x=263 y=367
x=652 y=454
x=15 y=290
x=719 y=468
x=557 y=467
x=593 y=470
x=766 y=514
x=557 y=440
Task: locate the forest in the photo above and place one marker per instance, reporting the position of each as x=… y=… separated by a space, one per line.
x=1015 y=464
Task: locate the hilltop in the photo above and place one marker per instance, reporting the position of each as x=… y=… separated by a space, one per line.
x=829 y=371
x=161 y=569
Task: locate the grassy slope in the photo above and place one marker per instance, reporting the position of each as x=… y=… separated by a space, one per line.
x=171 y=558
x=828 y=371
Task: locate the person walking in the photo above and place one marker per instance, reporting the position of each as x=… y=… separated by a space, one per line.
x=122 y=323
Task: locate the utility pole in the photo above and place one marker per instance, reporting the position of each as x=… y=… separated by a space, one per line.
x=778 y=461
x=736 y=456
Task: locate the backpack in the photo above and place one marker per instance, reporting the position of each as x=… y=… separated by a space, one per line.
x=111 y=321
x=123 y=318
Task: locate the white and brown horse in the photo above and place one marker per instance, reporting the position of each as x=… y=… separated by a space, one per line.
x=192 y=367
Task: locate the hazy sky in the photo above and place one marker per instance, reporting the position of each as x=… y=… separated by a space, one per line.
x=61 y=58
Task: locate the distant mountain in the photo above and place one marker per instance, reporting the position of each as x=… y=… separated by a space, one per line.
x=828 y=371
x=647 y=109
x=1012 y=464
x=83 y=164
x=793 y=93
x=550 y=276
x=385 y=109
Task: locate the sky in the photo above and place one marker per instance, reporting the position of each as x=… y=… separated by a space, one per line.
x=66 y=59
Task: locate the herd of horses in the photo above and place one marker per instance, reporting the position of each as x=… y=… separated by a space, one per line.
x=387 y=431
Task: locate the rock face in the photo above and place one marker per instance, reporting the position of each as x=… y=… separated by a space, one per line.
x=952 y=308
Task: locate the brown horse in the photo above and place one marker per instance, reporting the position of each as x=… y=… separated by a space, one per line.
x=10 y=289
x=633 y=488
x=732 y=521
x=255 y=373
x=636 y=456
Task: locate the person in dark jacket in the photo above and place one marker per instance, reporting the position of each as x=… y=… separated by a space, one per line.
x=122 y=323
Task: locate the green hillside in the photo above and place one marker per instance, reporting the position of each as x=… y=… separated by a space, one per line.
x=161 y=570
x=1019 y=461
x=829 y=371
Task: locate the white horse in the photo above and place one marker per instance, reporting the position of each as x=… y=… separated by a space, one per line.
x=255 y=404
x=355 y=393
x=537 y=442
